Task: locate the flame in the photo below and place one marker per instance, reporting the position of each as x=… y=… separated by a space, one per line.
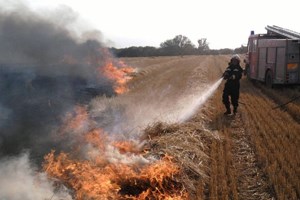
x=119 y=75
x=92 y=180
x=98 y=167
x=126 y=146
x=117 y=71
x=97 y=138
x=76 y=120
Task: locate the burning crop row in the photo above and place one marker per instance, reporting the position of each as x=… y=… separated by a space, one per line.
x=101 y=168
x=119 y=75
x=90 y=179
x=162 y=163
x=49 y=71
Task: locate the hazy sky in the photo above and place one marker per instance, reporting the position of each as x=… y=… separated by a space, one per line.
x=225 y=23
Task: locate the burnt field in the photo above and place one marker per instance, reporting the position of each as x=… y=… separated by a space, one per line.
x=152 y=128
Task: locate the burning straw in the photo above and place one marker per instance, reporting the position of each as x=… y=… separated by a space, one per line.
x=167 y=165
x=91 y=180
x=185 y=143
x=174 y=163
x=166 y=161
x=99 y=167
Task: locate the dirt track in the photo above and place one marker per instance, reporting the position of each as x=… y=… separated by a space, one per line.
x=256 y=155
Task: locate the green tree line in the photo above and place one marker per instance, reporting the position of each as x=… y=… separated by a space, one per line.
x=178 y=46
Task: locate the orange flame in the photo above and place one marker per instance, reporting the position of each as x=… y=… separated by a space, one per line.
x=97 y=138
x=126 y=147
x=102 y=168
x=119 y=75
x=76 y=120
x=115 y=181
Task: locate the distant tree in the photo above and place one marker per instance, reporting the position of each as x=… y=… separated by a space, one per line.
x=241 y=50
x=136 y=51
x=150 y=51
x=203 y=46
x=225 y=51
x=179 y=45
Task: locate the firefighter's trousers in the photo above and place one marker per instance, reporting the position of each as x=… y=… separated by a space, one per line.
x=231 y=89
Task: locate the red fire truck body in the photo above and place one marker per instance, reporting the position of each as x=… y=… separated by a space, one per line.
x=274 y=58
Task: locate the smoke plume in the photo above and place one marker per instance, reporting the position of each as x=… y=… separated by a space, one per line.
x=19 y=180
x=46 y=67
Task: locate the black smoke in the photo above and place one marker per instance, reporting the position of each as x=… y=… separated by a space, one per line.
x=45 y=70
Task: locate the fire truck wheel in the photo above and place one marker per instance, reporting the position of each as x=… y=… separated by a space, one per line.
x=269 y=79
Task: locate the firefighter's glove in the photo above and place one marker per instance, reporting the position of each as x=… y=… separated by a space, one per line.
x=225 y=76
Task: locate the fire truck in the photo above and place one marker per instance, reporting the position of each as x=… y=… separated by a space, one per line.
x=274 y=57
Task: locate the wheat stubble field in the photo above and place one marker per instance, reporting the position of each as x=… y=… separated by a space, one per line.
x=253 y=155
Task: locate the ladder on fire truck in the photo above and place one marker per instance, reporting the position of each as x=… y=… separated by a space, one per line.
x=276 y=30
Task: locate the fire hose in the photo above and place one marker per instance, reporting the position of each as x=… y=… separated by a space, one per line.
x=281 y=105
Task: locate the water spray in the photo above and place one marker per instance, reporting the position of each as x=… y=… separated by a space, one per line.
x=200 y=100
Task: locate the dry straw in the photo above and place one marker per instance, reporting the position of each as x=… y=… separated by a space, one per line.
x=186 y=144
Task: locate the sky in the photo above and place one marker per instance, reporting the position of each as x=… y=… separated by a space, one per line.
x=224 y=23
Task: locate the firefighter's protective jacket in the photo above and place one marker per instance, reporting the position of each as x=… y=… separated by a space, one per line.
x=233 y=73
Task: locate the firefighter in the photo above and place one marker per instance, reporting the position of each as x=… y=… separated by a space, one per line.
x=232 y=75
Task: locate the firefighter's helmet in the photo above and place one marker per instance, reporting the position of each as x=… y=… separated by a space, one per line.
x=236 y=57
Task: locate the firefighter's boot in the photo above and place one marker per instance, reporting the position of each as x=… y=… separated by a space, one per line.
x=234 y=110
x=228 y=111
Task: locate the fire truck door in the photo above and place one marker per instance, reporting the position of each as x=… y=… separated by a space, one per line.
x=262 y=63
x=280 y=64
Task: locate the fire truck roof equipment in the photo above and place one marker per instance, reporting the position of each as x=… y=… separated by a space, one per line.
x=283 y=32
